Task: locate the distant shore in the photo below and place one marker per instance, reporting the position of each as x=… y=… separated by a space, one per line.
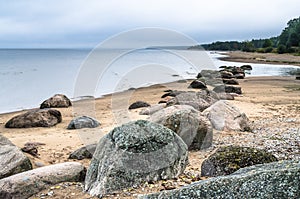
x=264 y=58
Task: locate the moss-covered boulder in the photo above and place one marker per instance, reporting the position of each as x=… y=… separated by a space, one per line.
x=134 y=153
x=229 y=159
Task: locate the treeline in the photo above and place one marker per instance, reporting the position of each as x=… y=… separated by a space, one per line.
x=287 y=42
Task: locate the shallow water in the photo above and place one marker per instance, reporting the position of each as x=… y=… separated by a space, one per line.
x=29 y=76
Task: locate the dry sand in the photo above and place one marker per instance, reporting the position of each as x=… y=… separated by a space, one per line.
x=264 y=98
x=269 y=58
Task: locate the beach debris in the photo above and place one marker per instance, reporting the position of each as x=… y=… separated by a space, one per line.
x=229 y=159
x=198 y=84
x=13 y=161
x=227 y=117
x=134 y=153
x=138 y=104
x=272 y=180
x=194 y=129
x=57 y=101
x=83 y=122
x=29 y=183
x=35 y=118
x=85 y=152
x=32 y=148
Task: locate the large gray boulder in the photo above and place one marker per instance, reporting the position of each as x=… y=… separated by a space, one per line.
x=83 y=122
x=273 y=180
x=225 y=116
x=134 y=153
x=195 y=130
x=26 y=184
x=35 y=118
x=57 y=101
x=13 y=161
x=229 y=159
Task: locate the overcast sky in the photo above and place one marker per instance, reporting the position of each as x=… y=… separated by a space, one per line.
x=85 y=23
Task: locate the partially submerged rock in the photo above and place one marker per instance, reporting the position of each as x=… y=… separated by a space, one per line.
x=35 y=118
x=194 y=129
x=26 y=184
x=57 y=101
x=13 y=161
x=134 y=153
x=225 y=116
x=273 y=180
x=229 y=159
x=85 y=152
x=83 y=122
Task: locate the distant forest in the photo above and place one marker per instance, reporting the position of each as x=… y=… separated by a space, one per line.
x=287 y=42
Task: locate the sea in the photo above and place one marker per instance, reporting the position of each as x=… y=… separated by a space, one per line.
x=29 y=76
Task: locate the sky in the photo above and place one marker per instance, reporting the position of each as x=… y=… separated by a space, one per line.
x=86 y=23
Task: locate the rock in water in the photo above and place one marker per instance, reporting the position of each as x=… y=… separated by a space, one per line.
x=134 y=153
x=225 y=116
x=229 y=159
x=83 y=122
x=138 y=104
x=194 y=129
x=273 y=180
x=35 y=118
x=83 y=152
x=57 y=101
x=13 y=161
x=26 y=184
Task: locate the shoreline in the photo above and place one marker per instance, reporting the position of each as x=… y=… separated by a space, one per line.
x=271 y=117
x=260 y=58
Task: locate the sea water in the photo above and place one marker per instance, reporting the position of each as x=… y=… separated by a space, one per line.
x=29 y=76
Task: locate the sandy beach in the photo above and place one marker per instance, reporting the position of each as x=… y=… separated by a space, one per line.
x=271 y=103
x=264 y=58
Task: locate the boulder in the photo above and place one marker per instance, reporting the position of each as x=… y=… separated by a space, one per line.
x=246 y=67
x=138 y=104
x=272 y=180
x=198 y=84
x=226 y=74
x=152 y=109
x=199 y=100
x=26 y=184
x=199 y=75
x=85 y=152
x=239 y=75
x=225 y=96
x=230 y=81
x=226 y=117
x=35 y=118
x=13 y=161
x=210 y=74
x=228 y=89
x=83 y=122
x=194 y=129
x=57 y=101
x=134 y=153
x=228 y=159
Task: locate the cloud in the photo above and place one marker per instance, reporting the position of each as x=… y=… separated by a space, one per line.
x=57 y=21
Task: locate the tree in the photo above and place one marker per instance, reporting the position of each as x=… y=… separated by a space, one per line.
x=267 y=43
